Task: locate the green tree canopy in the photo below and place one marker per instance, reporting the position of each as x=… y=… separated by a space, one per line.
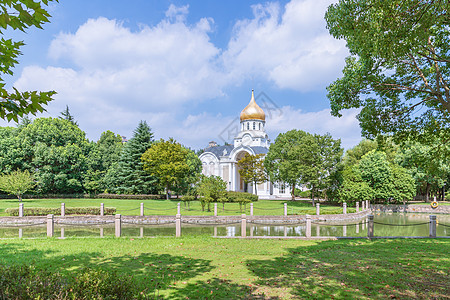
x=398 y=71
x=17 y=183
x=19 y=15
x=167 y=161
x=300 y=158
x=251 y=169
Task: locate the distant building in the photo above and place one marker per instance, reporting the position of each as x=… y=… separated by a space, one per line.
x=252 y=139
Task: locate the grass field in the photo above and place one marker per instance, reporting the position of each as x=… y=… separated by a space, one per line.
x=207 y=268
x=169 y=207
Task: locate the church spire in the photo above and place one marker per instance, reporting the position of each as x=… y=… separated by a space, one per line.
x=252 y=111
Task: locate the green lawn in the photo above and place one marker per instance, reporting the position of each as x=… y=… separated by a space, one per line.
x=207 y=268
x=169 y=207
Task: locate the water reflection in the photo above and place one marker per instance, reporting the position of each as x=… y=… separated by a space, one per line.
x=351 y=229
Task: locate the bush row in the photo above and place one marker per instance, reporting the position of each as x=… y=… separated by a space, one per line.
x=43 y=211
x=228 y=196
x=126 y=196
x=27 y=282
x=48 y=196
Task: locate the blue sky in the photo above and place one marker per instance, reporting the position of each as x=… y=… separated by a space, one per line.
x=187 y=67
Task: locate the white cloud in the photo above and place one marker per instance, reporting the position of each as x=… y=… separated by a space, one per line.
x=346 y=127
x=293 y=49
x=111 y=76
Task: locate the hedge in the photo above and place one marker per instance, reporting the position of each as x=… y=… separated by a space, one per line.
x=28 y=282
x=43 y=211
x=126 y=196
x=233 y=196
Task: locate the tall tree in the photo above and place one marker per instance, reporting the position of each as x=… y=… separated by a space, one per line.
x=167 y=161
x=325 y=164
x=103 y=154
x=398 y=71
x=66 y=115
x=251 y=169
x=289 y=158
x=128 y=175
x=300 y=158
x=19 y=15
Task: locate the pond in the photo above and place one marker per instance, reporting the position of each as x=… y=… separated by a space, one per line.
x=386 y=224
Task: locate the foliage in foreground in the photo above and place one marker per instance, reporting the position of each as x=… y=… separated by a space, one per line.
x=28 y=282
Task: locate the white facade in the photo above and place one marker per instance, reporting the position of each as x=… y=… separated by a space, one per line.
x=252 y=139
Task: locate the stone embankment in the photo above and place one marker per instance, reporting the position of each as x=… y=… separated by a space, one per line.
x=412 y=208
x=194 y=220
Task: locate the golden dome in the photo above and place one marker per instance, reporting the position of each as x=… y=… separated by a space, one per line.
x=252 y=111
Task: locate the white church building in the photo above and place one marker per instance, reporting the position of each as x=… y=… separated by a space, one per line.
x=252 y=139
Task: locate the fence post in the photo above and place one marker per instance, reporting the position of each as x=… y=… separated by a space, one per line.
x=308 y=226
x=118 y=225
x=432 y=226
x=102 y=209
x=357 y=206
x=363 y=205
x=20 y=233
x=101 y=231
x=370 y=226
x=244 y=226
x=50 y=226
x=20 y=209
x=62 y=232
x=179 y=208
x=142 y=209
x=317 y=208
x=178 y=225
x=344 y=230
x=141 y=232
x=215 y=209
x=63 y=209
x=344 y=208
x=285 y=209
x=367 y=204
x=251 y=209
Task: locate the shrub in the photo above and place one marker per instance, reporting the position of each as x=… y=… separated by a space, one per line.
x=205 y=201
x=127 y=196
x=243 y=201
x=28 y=282
x=43 y=211
x=187 y=199
x=233 y=196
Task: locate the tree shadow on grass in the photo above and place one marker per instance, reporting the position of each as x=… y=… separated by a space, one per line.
x=216 y=288
x=151 y=272
x=401 y=269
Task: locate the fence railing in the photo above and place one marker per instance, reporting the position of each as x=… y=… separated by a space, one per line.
x=244 y=221
x=142 y=209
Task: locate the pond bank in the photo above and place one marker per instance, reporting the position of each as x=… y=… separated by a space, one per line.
x=411 y=208
x=290 y=219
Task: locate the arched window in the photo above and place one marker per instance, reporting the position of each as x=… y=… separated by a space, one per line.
x=259 y=126
x=248 y=126
x=254 y=125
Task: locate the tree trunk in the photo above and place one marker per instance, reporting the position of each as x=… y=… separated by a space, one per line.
x=167 y=192
x=20 y=198
x=427 y=192
x=312 y=197
x=293 y=192
x=255 y=188
x=223 y=206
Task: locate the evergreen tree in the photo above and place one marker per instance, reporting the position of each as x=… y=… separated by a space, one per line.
x=130 y=177
x=65 y=115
